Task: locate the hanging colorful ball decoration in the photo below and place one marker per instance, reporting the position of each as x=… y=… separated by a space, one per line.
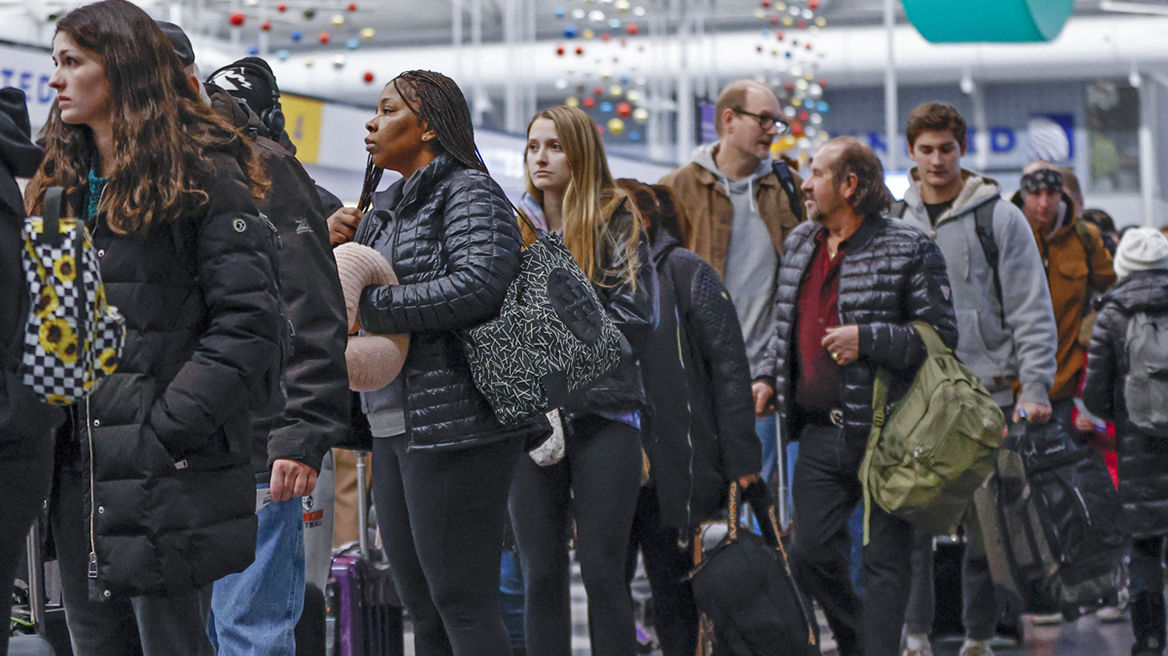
x=236 y=19
x=789 y=60
x=368 y=77
x=296 y=36
x=338 y=20
x=266 y=26
x=324 y=37
x=368 y=33
x=309 y=13
x=616 y=126
x=283 y=55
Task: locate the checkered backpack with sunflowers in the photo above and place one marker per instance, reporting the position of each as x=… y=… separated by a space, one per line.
x=72 y=338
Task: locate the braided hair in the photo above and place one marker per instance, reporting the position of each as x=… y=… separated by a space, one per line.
x=437 y=100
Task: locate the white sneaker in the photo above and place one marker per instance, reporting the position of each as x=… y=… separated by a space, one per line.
x=976 y=648
x=1109 y=614
x=1046 y=619
x=917 y=644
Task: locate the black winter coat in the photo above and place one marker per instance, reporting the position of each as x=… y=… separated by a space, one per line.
x=892 y=275
x=166 y=439
x=1143 y=460
x=455 y=252
x=23 y=415
x=634 y=313
x=317 y=412
x=701 y=435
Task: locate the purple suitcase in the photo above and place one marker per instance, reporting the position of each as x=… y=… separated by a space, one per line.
x=361 y=595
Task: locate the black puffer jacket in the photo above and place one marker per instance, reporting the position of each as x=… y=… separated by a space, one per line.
x=317 y=413
x=892 y=275
x=701 y=434
x=1143 y=460
x=167 y=438
x=23 y=415
x=455 y=252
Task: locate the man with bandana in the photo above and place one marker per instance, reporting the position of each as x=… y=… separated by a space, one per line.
x=1077 y=265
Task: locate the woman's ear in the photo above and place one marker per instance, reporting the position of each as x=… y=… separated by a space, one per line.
x=429 y=135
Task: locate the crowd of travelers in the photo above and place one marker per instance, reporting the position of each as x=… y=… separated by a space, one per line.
x=753 y=300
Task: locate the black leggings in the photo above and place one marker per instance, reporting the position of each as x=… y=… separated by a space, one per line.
x=598 y=481
x=441 y=516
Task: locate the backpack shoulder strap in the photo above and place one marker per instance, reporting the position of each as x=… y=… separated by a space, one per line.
x=898 y=209
x=983 y=225
x=788 y=183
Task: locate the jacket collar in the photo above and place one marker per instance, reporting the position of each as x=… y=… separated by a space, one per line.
x=420 y=184
x=860 y=237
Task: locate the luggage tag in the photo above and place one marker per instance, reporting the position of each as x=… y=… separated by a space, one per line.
x=552 y=449
x=263 y=496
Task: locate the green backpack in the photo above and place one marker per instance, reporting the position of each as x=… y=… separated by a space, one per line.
x=937 y=445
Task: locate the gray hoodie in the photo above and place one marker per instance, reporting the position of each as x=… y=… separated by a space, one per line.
x=1023 y=349
x=751 y=263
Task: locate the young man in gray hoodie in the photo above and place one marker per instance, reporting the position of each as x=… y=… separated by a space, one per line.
x=737 y=213
x=1006 y=328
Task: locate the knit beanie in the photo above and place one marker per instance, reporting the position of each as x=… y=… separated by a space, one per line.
x=1141 y=249
x=373 y=360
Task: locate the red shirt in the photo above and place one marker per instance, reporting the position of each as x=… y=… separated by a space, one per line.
x=818 y=379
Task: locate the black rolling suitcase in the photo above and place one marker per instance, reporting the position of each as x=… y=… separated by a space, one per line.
x=361 y=595
x=1050 y=518
x=31 y=641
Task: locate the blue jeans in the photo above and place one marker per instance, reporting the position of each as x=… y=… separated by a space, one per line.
x=511 y=596
x=254 y=612
x=765 y=429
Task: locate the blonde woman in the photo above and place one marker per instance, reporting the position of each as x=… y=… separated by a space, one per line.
x=571 y=192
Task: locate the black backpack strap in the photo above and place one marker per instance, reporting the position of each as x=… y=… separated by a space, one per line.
x=983 y=225
x=788 y=183
x=52 y=215
x=898 y=209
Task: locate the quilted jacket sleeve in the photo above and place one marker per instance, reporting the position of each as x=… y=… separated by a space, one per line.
x=1102 y=363
x=713 y=322
x=235 y=252
x=481 y=241
x=898 y=347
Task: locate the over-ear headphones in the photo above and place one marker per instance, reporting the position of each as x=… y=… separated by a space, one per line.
x=272 y=117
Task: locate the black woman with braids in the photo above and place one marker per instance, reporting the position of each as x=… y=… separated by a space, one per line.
x=442 y=468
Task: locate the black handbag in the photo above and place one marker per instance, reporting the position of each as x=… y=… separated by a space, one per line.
x=745 y=591
x=551 y=339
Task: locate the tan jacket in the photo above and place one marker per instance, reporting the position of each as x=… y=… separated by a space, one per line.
x=1071 y=282
x=709 y=214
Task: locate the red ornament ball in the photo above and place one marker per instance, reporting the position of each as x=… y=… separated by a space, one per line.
x=281 y=7
x=606 y=37
x=779 y=35
x=267 y=26
x=813 y=4
x=579 y=50
x=237 y=19
x=598 y=90
x=633 y=29
x=808 y=46
x=822 y=82
x=804 y=116
x=368 y=77
x=797 y=129
x=352 y=6
x=802 y=25
x=560 y=50
x=600 y=129
x=766 y=4
x=589 y=102
x=789 y=86
x=624 y=42
x=775 y=21
x=624 y=110
x=325 y=37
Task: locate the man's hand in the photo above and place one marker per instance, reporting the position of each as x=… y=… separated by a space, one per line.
x=1036 y=413
x=342 y=225
x=762 y=399
x=1083 y=423
x=291 y=479
x=843 y=343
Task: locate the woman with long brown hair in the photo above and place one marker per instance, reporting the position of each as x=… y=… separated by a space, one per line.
x=570 y=191
x=154 y=497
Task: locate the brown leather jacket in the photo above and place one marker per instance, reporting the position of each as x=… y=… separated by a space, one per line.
x=709 y=213
x=1072 y=279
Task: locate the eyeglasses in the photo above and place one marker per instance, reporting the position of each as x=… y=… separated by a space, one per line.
x=765 y=122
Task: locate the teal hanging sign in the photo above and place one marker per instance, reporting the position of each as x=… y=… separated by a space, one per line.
x=996 y=21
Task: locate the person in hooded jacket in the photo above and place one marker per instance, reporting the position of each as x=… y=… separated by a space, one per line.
x=701 y=435
x=27 y=422
x=255 y=611
x=1141 y=266
x=570 y=189
x=154 y=495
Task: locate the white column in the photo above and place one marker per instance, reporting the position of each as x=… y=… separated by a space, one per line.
x=890 y=107
x=1149 y=187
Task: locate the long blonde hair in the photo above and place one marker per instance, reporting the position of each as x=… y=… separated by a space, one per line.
x=590 y=199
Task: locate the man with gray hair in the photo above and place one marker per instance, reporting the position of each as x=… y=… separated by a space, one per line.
x=740 y=205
